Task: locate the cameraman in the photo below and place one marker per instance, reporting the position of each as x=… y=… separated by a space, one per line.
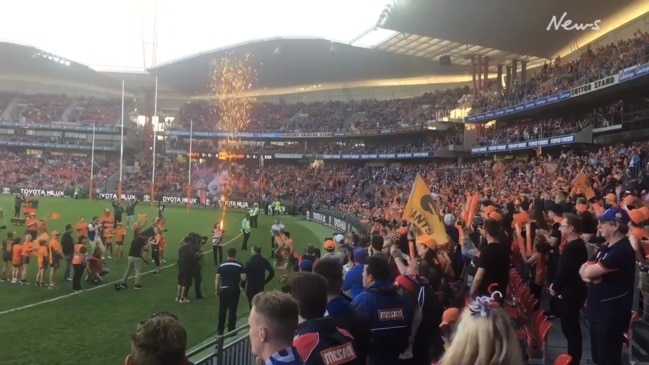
x=186 y=266
x=199 y=242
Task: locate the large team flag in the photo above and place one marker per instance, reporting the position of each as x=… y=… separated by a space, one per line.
x=421 y=211
x=583 y=185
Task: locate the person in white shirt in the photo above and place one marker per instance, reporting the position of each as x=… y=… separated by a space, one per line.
x=274 y=231
x=94 y=235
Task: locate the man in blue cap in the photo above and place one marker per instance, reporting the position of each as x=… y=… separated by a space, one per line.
x=610 y=276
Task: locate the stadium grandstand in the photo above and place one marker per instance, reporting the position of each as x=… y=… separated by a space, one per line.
x=515 y=116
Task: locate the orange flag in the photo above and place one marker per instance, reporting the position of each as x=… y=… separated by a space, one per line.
x=581 y=182
x=422 y=211
x=53 y=216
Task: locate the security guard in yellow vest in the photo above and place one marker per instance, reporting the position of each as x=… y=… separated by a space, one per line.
x=254 y=214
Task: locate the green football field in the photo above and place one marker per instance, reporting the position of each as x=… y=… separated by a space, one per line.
x=40 y=326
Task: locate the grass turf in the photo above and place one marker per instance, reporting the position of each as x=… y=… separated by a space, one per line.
x=94 y=327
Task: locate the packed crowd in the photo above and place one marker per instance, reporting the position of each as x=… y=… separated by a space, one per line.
x=558 y=76
x=41 y=108
x=99 y=111
x=488 y=294
x=331 y=116
x=51 y=172
x=415 y=144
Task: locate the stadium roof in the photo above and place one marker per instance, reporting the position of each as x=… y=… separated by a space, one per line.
x=310 y=63
x=19 y=61
x=500 y=28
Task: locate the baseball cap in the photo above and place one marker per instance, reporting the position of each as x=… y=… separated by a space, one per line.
x=306 y=265
x=614 y=215
x=339 y=238
x=406 y=282
x=450 y=315
x=329 y=245
x=494 y=216
x=360 y=255
x=427 y=241
x=637 y=216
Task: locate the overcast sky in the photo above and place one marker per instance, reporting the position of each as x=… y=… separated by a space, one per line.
x=110 y=33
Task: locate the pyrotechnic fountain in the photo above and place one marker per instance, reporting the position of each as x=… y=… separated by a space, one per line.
x=232 y=79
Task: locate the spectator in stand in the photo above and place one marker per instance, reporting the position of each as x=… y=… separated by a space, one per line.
x=318 y=340
x=339 y=309
x=160 y=340
x=390 y=313
x=484 y=335
x=494 y=263
x=610 y=276
x=273 y=320
x=568 y=286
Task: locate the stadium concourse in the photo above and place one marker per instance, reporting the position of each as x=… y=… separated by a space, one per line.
x=542 y=192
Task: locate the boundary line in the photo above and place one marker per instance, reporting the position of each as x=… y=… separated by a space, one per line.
x=32 y=305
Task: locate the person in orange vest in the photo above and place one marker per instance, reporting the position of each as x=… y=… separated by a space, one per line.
x=28 y=247
x=55 y=257
x=108 y=240
x=42 y=255
x=82 y=227
x=32 y=225
x=162 y=242
x=42 y=227
x=78 y=264
x=120 y=233
x=16 y=259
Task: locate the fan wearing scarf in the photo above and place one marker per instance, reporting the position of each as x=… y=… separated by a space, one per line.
x=484 y=335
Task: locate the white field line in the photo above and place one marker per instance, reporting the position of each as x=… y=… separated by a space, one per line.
x=95 y=287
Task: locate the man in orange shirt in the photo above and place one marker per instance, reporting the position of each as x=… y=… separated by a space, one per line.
x=16 y=259
x=82 y=227
x=32 y=225
x=42 y=255
x=106 y=220
x=120 y=233
x=108 y=240
x=27 y=249
x=55 y=257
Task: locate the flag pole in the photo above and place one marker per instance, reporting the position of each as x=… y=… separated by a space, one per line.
x=189 y=169
x=92 y=164
x=155 y=127
x=121 y=151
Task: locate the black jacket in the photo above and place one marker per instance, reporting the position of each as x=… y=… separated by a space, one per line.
x=256 y=269
x=67 y=244
x=567 y=282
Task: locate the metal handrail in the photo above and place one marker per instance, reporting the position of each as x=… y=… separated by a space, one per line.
x=236 y=352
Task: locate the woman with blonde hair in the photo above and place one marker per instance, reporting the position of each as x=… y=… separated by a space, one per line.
x=483 y=336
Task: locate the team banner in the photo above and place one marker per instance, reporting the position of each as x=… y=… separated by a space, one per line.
x=58 y=127
x=35 y=191
x=421 y=211
x=623 y=76
x=544 y=142
x=336 y=220
x=60 y=146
